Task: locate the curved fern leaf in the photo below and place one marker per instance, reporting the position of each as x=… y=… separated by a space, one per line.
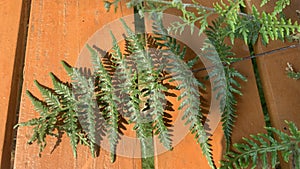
x=129 y=91
x=44 y=125
x=272 y=27
x=261 y=146
x=147 y=77
x=39 y=106
x=110 y=111
x=224 y=76
x=85 y=106
x=188 y=84
x=51 y=99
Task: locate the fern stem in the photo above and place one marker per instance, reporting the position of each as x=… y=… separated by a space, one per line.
x=190 y=5
x=147 y=148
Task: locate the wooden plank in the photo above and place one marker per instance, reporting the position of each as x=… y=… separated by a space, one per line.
x=281 y=93
x=14 y=16
x=187 y=154
x=58 y=31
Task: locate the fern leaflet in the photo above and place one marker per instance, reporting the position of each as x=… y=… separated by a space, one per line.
x=261 y=146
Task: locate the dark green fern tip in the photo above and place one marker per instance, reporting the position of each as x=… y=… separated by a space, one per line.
x=54 y=79
x=112 y=157
x=92 y=51
x=108 y=4
x=37 y=83
x=67 y=67
x=114 y=40
x=128 y=30
x=29 y=94
x=52 y=76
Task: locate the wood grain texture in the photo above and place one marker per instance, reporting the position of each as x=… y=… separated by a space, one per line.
x=14 y=16
x=281 y=93
x=58 y=30
x=250 y=120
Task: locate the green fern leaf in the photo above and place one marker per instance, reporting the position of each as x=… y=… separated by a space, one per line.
x=51 y=99
x=110 y=112
x=261 y=146
x=224 y=76
x=147 y=77
x=38 y=105
x=190 y=96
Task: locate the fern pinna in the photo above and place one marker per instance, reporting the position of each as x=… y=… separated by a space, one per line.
x=188 y=84
x=58 y=113
x=262 y=149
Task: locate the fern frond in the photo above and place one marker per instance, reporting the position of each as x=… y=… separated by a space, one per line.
x=224 y=76
x=230 y=14
x=108 y=4
x=86 y=106
x=57 y=113
x=190 y=105
x=44 y=125
x=129 y=91
x=69 y=69
x=62 y=90
x=263 y=2
x=71 y=127
x=228 y=101
x=188 y=85
x=70 y=117
x=147 y=78
x=260 y=147
x=110 y=111
x=280 y=5
x=157 y=111
x=274 y=27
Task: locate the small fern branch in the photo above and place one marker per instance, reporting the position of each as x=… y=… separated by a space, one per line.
x=224 y=76
x=127 y=75
x=39 y=106
x=110 y=111
x=261 y=146
x=157 y=111
x=51 y=99
x=147 y=78
x=85 y=106
x=291 y=72
x=188 y=84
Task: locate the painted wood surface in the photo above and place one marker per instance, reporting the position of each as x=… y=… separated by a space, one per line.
x=281 y=93
x=187 y=154
x=58 y=30
x=13 y=19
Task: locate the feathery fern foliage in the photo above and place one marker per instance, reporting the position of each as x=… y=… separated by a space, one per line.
x=247 y=26
x=58 y=113
x=79 y=109
x=140 y=74
x=188 y=85
x=261 y=147
x=136 y=80
x=225 y=78
x=291 y=73
x=153 y=90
